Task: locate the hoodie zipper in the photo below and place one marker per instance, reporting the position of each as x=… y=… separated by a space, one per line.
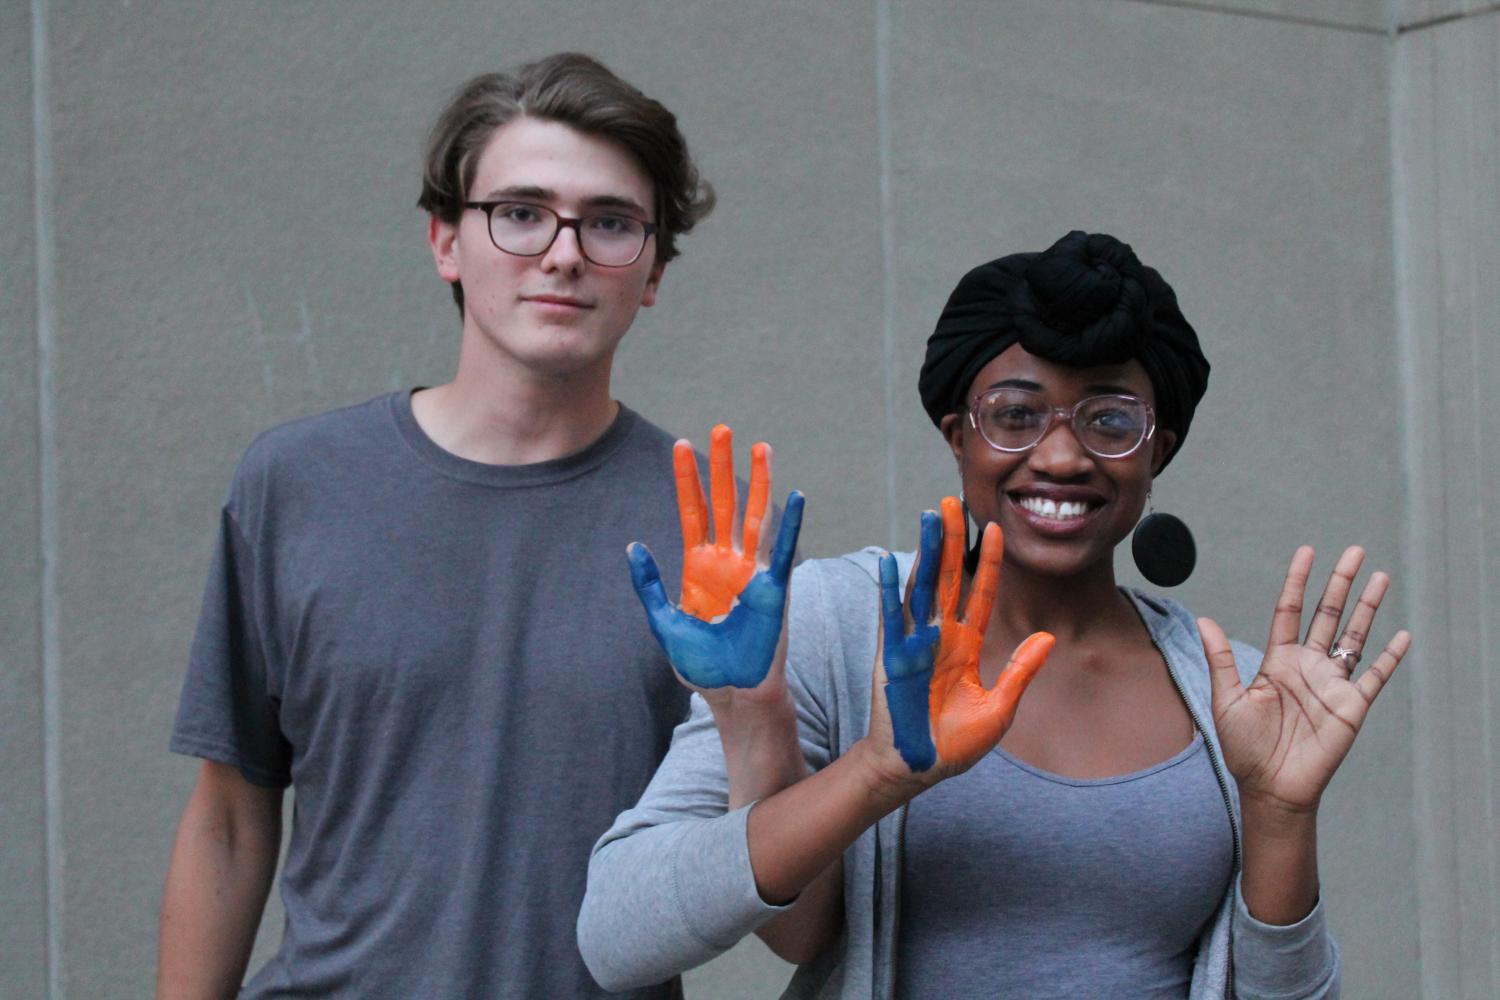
x=1218 y=765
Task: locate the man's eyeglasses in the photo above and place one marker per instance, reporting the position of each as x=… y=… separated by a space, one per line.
x=526 y=230
x=1016 y=420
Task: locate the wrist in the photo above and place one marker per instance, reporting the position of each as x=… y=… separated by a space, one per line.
x=886 y=777
x=1273 y=818
x=751 y=712
x=762 y=751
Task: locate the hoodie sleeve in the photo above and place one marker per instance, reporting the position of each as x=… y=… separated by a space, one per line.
x=670 y=884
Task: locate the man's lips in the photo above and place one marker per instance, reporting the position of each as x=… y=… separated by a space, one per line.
x=557 y=301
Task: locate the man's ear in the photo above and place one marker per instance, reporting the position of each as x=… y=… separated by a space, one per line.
x=952 y=428
x=1162 y=443
x=653 y=282
x=442 y=237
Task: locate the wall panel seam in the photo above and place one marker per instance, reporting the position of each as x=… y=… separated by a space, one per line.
x=1441 y=19
x=47 y=485
x=887 y=256
x=1480 y=155
x=1264 y=15
x=1436 y=908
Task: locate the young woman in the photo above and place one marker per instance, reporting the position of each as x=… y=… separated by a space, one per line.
x=1142 y=824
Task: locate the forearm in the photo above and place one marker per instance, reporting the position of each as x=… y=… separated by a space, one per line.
x=797 y=838
x=216 y=888
x=762 y=754
x=1282 y=948
x=762 y=757
x=1280 y=877
x=802 y=933
x=796 y=834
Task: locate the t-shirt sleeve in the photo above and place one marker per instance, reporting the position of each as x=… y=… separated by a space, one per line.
x=227 y=712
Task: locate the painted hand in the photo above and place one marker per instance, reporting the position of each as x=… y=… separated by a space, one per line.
x=941 y=718
x=1286 y=734
x=726 y=631
x=714 y=573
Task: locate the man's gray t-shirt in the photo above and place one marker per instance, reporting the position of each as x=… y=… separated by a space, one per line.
x=447 y=662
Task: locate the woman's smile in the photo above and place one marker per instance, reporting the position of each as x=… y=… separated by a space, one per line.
x=1059 y=512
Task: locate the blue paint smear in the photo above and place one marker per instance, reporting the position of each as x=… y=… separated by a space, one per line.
x=735 y=652
x=908 y=656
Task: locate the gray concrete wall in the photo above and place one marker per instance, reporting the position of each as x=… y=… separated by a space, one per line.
x=1446 y=130
x=224 y=238
x=23 y=824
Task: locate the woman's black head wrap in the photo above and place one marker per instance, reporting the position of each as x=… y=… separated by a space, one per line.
x=1085 y=301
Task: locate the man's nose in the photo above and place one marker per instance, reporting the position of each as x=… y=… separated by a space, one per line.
x=565 y=253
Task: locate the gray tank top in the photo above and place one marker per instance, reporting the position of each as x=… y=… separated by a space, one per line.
x=1021 y=883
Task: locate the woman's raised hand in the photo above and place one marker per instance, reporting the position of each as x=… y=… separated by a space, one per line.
x=1285 y=734
x=935 y=713
x=726 y=632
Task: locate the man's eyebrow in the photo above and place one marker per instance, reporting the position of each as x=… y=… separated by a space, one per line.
x=614 y=201
x=530 y=192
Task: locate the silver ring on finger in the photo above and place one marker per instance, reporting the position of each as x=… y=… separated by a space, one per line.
x=1348 y=657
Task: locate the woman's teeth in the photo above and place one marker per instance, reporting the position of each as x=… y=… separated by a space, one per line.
x=1051 y=508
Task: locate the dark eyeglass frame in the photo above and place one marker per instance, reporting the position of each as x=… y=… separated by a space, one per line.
x=1068 y=413
x=561 y=222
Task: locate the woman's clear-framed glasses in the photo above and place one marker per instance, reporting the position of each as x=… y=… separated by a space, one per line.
x=1015 y=420
x=522 y=229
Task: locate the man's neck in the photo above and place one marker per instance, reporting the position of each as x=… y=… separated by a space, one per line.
x=498 y=414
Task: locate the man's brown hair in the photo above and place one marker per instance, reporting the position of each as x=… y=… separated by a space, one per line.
x=581 y=92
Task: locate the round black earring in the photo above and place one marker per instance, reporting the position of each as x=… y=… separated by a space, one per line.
x=1163 y=549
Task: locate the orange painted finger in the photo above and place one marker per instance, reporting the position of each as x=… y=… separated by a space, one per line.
x=721 y=484
x=760 y=494
x=689 y=496
x=986 y=580
x=951 y=567
x=1024 y=663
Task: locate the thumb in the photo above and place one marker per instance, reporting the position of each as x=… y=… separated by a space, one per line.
x=647 y=580
x=1024 y=663
x=1221 y=670
x=785 y=549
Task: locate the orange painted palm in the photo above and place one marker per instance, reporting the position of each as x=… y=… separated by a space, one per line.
x=967 y=720
x=724 y=637
x=936 y=714
x=714 y=573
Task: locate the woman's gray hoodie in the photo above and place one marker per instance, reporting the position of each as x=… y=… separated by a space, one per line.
x=670 y=884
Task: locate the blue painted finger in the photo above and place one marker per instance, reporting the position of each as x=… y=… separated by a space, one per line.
x=786 y=538
x=890 y=605
x=647 y=580
x=928 y=559
x=906 y=698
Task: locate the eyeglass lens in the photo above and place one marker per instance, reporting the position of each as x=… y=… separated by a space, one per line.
x=528 y=230
x=1016 y=419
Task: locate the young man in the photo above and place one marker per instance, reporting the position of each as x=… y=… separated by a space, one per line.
x=419 y=615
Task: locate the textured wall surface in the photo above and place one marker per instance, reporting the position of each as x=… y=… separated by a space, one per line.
x=226 y=239
x=23 y=843
x=1447 y=144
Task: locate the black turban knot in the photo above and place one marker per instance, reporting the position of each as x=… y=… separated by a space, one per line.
x=1085 y=301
